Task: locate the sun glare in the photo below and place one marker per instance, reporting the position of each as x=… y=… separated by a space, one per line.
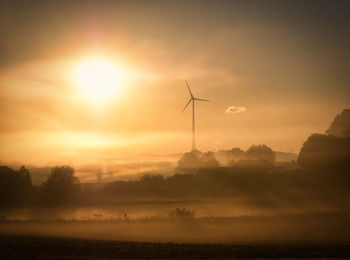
x=97 y=79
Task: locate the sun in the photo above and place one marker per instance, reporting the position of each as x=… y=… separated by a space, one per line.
x=97 y=79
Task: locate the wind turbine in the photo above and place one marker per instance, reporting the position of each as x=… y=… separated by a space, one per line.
x=193 y=99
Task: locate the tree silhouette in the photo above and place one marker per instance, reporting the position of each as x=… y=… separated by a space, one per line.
x=340 y=127
x=24 y=174
x=331 y=152
x=260 y=152
x=208 y=160
x=325 y=152
x=61 y=188
x=235 y=153
x=190 y=160
x=15 y=186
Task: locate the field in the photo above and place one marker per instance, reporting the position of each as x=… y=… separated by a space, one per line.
x=299 y=236
x=322 y=227
x=35 y=247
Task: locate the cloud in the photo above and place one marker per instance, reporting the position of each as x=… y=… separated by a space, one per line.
x=235 y=110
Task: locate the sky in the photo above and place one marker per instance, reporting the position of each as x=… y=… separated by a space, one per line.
x=274 y=72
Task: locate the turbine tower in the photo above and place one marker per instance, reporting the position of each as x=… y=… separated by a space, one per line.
x=193 y=99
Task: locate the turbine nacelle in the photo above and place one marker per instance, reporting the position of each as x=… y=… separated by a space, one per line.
x=192 y=98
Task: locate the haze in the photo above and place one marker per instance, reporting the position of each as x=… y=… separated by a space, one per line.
x=174 y=129
x=283 y=69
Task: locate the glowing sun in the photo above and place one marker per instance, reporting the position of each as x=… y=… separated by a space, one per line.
x=97 y=79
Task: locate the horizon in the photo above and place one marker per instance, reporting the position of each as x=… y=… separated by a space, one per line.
x=108 y=152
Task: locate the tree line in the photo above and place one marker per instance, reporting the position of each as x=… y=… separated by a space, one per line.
x=16 y=188
x=322 y=172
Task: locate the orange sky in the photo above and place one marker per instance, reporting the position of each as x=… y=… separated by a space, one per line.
x=286 y=64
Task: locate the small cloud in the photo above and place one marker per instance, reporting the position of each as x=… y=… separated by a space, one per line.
x=235 y=110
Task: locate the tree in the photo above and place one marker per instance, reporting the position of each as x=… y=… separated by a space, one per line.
x=196 y=159
x=340 y=127
x=190 y=160
x=208 y=160
x=260 y=152
x=325 y=152
x=61 y=188
x=235 y=154
x=15 y=187
x=330 y=152
x=24 y=174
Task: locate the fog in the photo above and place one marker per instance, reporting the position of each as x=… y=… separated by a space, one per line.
x=221 y=196
x=299 y=227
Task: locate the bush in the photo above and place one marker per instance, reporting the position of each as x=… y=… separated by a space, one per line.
x=182 y=213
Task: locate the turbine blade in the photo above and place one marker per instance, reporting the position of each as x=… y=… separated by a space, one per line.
x=189 y=89
x=186 y=106
x=201 y=99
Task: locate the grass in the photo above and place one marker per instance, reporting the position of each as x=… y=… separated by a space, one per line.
x=299 y=236
x=323 y=227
